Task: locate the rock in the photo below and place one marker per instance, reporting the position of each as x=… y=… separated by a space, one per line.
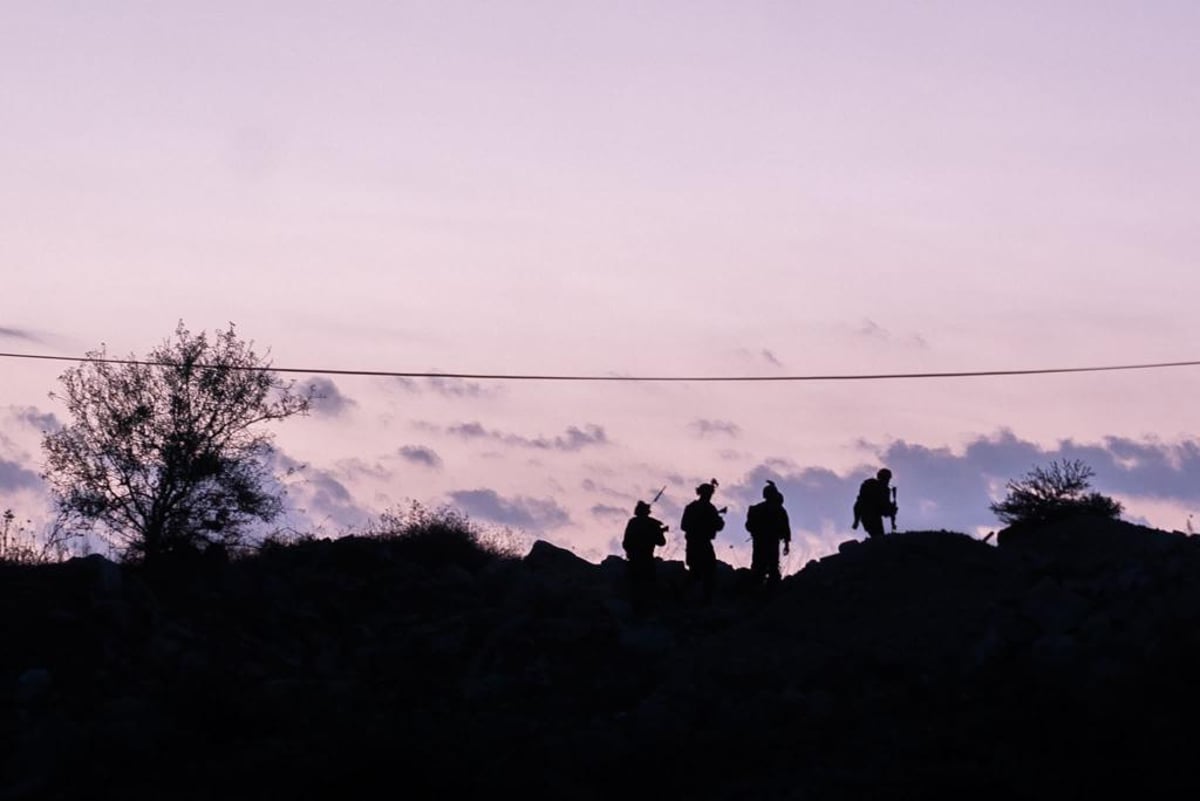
x=33 y=687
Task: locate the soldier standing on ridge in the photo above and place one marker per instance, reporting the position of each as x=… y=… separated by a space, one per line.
x=701 y=522
x=643 y=534
x=768 y=525
x=874 y=503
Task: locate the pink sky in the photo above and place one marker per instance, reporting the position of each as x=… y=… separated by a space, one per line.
x=665 y=188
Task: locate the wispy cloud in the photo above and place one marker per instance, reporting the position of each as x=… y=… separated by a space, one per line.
x=918 y=340
x=573 y=439
x=705 y=428
x=869 y=329
x=591 y=485
x=328 y=400
x=873 y=330
x=531 y=514
x=419 y=454
x=448 y=387
x=757 y=356
x=609 y=513
x=22 y=334
x=472 y=431
x=358 y=468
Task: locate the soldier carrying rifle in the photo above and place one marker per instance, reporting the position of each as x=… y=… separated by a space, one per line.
x=643 y=534
x=875 y=501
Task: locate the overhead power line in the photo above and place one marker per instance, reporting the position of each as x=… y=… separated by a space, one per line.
x=632 y=378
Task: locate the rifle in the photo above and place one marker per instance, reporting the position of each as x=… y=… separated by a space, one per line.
x=893 y=514
x=658 y=495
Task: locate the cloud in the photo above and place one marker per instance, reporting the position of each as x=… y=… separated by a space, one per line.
x=31 y=416
x=574 y=439
x=19 y=333
x=591 y=485
x=609 y=513
x=577 y=438
x=448 y=387
x=327 y=499
x=316 y=496
x=459 y=388
x=519 y=512
x=327 y=398
x=356 y=468
x=14 y=476
x=327 y=502
x=758 y=356
x=327 y=492
x=871 y=329
x=471 y=431
x=419 y=454
x=938 y=488
x=705 y=428
x=281 y=462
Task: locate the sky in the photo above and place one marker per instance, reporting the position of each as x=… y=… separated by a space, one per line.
x=625 y=189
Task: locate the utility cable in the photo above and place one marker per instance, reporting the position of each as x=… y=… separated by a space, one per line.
x=629 y=378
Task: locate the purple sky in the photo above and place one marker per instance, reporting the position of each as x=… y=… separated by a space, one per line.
x=629 y=188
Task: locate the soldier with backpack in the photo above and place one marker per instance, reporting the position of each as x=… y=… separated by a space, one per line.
x=875 y=501
x=767 y=522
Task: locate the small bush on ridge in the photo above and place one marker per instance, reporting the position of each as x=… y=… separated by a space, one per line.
x=443 y=536
x=1052 y=493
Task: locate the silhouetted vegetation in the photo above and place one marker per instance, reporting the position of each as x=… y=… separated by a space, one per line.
x=443 y=536
x=1054 y=492
x=20 y=544
x=167 y=453
x=15 y=540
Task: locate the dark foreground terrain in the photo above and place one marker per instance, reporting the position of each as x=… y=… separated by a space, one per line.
x=1063 y=663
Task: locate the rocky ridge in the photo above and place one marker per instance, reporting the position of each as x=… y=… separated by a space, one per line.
x=1058 y=663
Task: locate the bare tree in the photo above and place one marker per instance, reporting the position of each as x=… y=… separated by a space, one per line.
x=168 y=452
x=1053 y=492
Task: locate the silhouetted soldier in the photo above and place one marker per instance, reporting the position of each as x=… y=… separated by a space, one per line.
x=643 y=534
x=701 y=522
x=874 y=503
x=768 y=525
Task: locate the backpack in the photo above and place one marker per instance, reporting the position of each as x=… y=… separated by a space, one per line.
x=754 y=517
x=865 y=497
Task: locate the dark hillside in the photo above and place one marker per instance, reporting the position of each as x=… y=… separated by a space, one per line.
x=1060 y=664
